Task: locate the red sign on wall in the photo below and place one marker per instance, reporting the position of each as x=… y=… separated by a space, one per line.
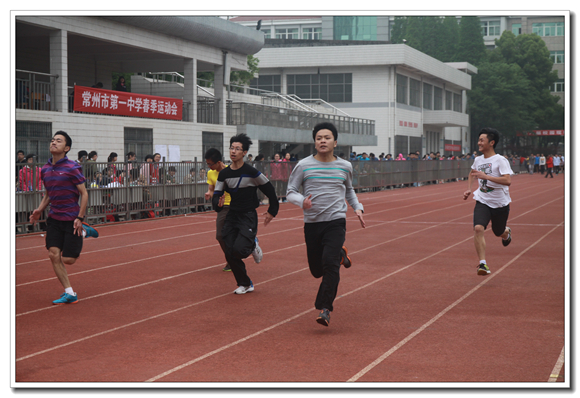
x=453 y=148
x=97 y=100
x=539 y=133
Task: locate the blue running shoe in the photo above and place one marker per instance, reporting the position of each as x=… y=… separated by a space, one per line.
x=89 y=232
x=66 y=298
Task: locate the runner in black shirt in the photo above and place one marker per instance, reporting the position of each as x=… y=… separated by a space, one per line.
x=242 y=181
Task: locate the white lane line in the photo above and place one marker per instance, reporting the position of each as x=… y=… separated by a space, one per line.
x=449 y=308
x=557 y=368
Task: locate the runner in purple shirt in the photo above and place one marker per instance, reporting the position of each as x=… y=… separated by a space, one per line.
x=65 y=229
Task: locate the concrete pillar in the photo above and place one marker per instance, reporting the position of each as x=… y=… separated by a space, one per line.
x=190 y=89
x=220 y=92
x=59 y=66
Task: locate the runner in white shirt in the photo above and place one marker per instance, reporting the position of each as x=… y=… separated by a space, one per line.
x=492 y=197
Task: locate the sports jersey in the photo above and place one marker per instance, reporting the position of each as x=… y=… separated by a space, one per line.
x=329 y=183
x=212 y=176
x=242 y=185
x=491 y=193
x=60 y=181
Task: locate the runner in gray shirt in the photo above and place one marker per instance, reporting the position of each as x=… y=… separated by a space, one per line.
x=326 y=181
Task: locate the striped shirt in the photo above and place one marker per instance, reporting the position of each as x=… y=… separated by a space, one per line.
x=329 y=183
x=60 y=181
x=242 y=185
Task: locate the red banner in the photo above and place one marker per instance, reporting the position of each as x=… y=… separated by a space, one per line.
x=541 y=133
x=453 y=148
x=97 y=100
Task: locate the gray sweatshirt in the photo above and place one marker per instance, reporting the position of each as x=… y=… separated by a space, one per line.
x=329 y=183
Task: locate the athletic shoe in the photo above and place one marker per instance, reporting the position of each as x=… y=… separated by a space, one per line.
x=66 y=298
x=227 y=268
x=244 y=289
x=324 y=317
x=507 y=241
x=483 y=269
x=257 y=253
x=344 y=258
x=89 y=232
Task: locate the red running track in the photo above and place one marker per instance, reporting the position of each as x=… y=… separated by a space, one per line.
x=155 y=305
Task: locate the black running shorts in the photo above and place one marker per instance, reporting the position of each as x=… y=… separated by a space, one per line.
x=61 y=234
x=483 y=214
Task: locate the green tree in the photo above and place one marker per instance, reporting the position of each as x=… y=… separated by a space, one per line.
x=236 y=77
x=471 y=47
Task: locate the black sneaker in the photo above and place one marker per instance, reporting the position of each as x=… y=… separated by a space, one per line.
x=227 y=268
x=323 y=317
x=507 y=241
x=483 y=269
x=344 y=258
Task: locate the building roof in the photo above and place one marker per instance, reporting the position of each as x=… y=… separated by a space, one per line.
x=245 y=18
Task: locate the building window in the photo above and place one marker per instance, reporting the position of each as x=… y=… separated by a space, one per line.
x=267 y=33
x=548 y=29
x=427 y=96
x=312 y=33
x=517 y=29
x=402 y=89
x=438 y=99
x=211 y=140
x=414 y=92
x=139 y=141
x=558 y=87
x=490 y=28
x=330 y=87
x=448 y=100
x=355 y=28
x=267 y=83
x=457 y=102
x=34 y=138
x=557 y=56
x=288 y=33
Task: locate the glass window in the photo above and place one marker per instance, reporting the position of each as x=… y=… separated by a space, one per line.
x=34 y=137
x=402 y=89
x=457 y=102
x=558 y=87
x=212 y=140
x=490 y=28
x=557 y=56
x=548 y=29
x=448 y=100
x=138 y=140
x=331 y=87
x=267 y=33
x=287 y=33
x=438 y=99
x=312 y=33
x=414 y=92
x=517 y=29
x=267 y=82
x=355 y=28
x=427 y=96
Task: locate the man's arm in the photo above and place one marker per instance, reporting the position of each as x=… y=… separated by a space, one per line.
x=505 y=179
x=293 y=190
x=78 y=224
x=35 y=216
x=469 y=181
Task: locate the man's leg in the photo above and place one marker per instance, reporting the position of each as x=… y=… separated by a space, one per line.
x=54 y=253
x=219 y=225
x=479 y=240
x=239 y=244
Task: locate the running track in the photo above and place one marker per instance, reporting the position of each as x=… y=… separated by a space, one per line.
x=155 y=305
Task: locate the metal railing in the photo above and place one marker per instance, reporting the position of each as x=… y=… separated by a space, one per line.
x=35 y=90
x=240 y=113
x=116 y=193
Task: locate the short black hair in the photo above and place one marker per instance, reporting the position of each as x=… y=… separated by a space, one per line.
x=325 y=126
x=130 y=154
x=492 y=135
x=112 y=155
x=82 y=153
x=67 y=138
x=148 y=157
x=30 y=155
x=214 y=155
x=92 y=153
x=243 y=139
x=20 y=151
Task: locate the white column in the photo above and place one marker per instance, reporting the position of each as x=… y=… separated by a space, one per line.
x=190 y=89
x=59 y=66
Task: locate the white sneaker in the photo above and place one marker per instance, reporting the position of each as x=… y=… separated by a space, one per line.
x=244 y=289
x=257 y=253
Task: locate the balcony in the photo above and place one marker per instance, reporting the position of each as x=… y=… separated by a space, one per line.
x=445 y=118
